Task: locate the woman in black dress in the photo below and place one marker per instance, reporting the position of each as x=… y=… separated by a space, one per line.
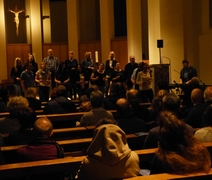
x=98 y=78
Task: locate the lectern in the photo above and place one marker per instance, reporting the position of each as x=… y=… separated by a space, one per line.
x=160 y=72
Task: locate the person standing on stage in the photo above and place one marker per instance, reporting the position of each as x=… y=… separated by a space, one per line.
x=15 y=75
x=52 y=65
x=109 y=68
x=187 y=73
x=71 y=65
x=31 y=59
x=129 y=68
x=88 y=64
x=144 y=79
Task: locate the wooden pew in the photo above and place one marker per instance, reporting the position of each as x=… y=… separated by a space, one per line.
x=164 y=176
x=64 y=165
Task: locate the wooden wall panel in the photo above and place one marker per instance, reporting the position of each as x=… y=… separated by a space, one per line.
x=92 y=47
x=119 y=46
x=59 y=50
x=13 y=51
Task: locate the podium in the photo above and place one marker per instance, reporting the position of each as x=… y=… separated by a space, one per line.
x=160 y=72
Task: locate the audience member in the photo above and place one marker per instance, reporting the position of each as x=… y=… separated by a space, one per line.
x=52 y=65
x=10 y=123
x=194 y=117
x=140 y=112
x=4 y=93
x=129 y=68
x=126 y=118
x=110 y=154
x=114 y=93
x=84 y=104
x=43 y=78
x=171 y=103
x=26 y=119
x=60 y=104
x=205 y=134
x=178 y=151
x=15 y=74
x=3 y=107
x=41 y=147
x=30 y=95
x=98 y=112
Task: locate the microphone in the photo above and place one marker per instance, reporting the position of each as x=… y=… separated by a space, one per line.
x=177 y=71
x=202 y=82
x=176 y=83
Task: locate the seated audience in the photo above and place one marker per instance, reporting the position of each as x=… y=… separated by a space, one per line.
x=109 y=156
x=41 y=147
x=4 y=93
x=141 y=112
x=114 y=93
x=84 y=104
x=31 y=94
x=3 y=107
x=98 y=112
x=126 y=118
x=60 y=104
x=194 y=116
x=178 y=151
x=171 y=102
x=26 y=119
x=205 y=134
x=10 y=123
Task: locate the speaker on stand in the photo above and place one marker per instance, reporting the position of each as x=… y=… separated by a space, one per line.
x=160 y=45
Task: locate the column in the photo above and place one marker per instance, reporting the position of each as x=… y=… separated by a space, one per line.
x=46 y=21
x=106 y=27
x=3 y=72
x=134 y=29
x=154 y=30
x=36 y=33
x=28 y=26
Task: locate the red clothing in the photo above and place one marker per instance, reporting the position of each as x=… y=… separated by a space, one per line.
x=39 y=152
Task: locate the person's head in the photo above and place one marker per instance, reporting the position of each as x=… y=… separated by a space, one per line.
x=61 y=90
x=132 y=59
x=145 y=67
x=50 y=52
x=111 y=55
x=208 y=94
x=26 y=117
x=61 y=66
x=173 y=134
x=88 y=55
x=161 y=93
x=171 y=102
x=133 y=96
x=31 y=92
x=31 y=57
x=123 y=106
x=141 y=65
x=117 y=66
x=185 y=63
x=71 y=54
x=194 y=81
x=101 y=66
x=42 y=127
x=17 y=62
x=43 y=65
x=96 y=99
x=16 y=104
x=196 y=96
x=53 y=94
x=29 y=66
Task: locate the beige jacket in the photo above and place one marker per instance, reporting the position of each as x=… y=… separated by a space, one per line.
x=144 y=81
x=109 y=156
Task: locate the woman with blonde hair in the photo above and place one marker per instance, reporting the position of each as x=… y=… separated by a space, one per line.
x=15 y=75
x=179 y=151
x=31 y=94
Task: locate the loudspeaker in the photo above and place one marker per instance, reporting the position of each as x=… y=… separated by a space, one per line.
x=160 y=43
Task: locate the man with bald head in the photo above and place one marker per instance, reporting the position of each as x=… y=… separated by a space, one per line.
x=126 y=118
x=129 y=68
x=41 y=147
x=194 y=117
x=51 y=65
